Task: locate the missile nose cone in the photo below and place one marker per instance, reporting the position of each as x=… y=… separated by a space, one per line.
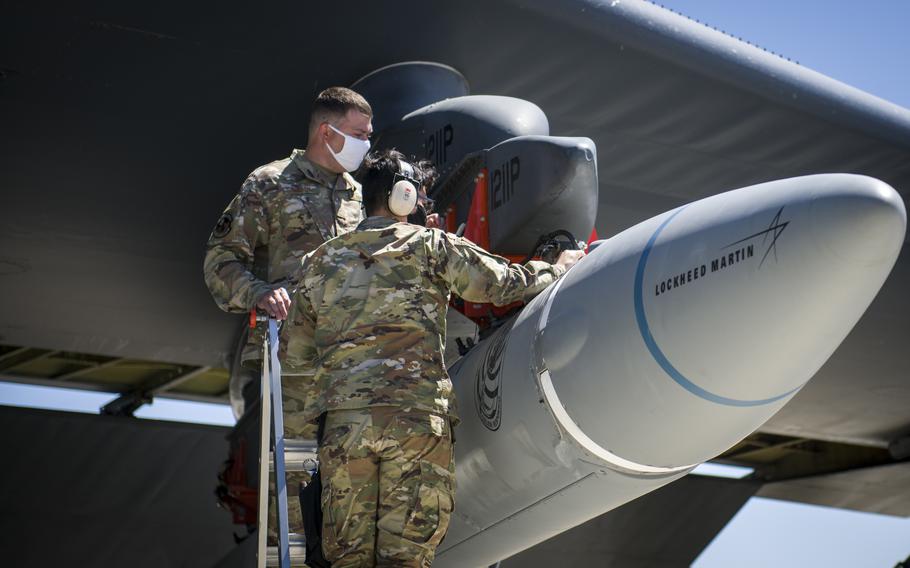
x=861 y=221
x=700 y=324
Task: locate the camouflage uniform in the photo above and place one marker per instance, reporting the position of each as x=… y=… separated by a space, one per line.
x=369 y=317
x=284 y=210
x=396 y=515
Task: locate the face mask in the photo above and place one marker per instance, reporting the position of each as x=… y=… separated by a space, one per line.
x=352 y=152
x=419 y=216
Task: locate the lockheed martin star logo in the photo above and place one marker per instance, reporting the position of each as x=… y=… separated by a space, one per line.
x=733 y=254
x=773 y=232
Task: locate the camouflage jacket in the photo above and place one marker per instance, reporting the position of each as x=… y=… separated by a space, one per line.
x=283 y=211
x=369 y=317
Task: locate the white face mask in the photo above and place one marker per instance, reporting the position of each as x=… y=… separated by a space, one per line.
x=352 y=152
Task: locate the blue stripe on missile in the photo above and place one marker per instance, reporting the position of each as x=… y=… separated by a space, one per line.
x=659 y=355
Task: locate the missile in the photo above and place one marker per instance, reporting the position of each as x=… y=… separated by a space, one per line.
x=664 y=347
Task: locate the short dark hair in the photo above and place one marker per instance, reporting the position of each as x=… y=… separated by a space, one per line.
x=334 y=103
x=378 y=172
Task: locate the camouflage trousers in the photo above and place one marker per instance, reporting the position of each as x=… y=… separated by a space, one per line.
x=296 y=393
x=388 y=486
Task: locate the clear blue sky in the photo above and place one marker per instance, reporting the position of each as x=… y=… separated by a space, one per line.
x=866 y=45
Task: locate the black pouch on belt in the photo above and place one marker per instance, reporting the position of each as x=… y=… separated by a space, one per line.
x=311 y=507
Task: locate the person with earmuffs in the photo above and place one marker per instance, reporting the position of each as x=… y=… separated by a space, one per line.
x=369 y=319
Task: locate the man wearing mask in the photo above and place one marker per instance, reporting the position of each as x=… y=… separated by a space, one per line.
x=284 y=210
x=370 y=317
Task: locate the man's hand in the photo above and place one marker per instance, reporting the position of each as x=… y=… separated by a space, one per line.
x=275 y=303
x=433 y=221
x=568 y=258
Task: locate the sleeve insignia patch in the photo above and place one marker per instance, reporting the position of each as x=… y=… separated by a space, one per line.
x=223 y=226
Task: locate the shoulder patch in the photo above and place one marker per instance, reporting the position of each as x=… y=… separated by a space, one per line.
x=223 y=226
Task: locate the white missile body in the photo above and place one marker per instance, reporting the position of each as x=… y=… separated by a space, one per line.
x=664 y=347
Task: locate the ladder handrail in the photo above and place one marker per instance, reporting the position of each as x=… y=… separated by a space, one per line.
x=272 y=422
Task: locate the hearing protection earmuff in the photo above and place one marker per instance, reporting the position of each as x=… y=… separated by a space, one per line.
x=403 y=195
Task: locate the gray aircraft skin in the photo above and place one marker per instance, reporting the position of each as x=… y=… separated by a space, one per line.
x=127 y=129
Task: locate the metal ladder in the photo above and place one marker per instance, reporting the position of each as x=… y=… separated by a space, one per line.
x=299 y=455
x=279 y=456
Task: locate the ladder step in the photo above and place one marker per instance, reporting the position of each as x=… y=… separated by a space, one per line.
x=299 y=455
x=297 y=547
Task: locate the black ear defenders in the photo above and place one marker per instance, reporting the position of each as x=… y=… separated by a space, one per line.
x=403 y=194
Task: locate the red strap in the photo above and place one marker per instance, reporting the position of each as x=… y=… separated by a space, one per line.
x=592 y=238
x=478 y=227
